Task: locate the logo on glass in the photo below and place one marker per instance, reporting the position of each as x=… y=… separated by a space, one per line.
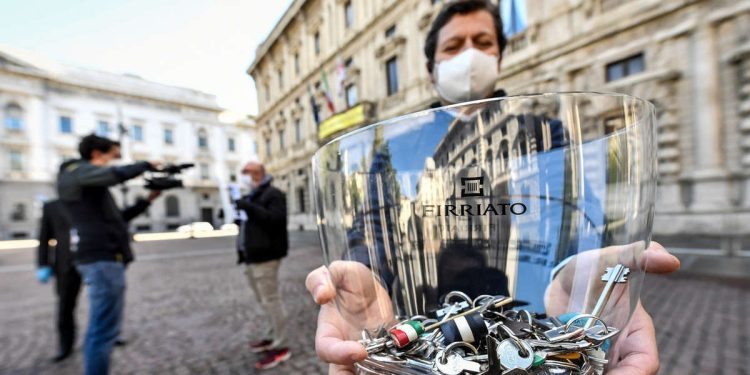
x=472 y=186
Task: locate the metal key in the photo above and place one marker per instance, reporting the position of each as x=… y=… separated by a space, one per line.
x=506 y=354
x=601 y=333
x=561 y=333
x=450 y=310
x=613 y=275
x=456 y=365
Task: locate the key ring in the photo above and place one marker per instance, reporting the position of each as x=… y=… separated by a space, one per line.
x=459 y=294
x=584 y=316
x=512 y=337
x=455 y=345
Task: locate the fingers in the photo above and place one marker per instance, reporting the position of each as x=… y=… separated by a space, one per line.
x=330 y=340
x=319 y=286
x=638 y=353
x=658 y=260
x=341 y=370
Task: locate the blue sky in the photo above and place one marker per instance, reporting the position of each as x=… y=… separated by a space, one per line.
x=201 y=44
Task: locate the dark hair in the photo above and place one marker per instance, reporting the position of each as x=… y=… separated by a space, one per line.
x=93 y=142
x=460 y=7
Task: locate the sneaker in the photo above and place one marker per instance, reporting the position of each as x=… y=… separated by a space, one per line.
x=261 y=346
x=273 y=358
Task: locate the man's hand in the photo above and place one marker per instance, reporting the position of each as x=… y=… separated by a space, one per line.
x=153 y=195
x=155 y=165
x=636 y=352
x=43 y=274
x=360 y=299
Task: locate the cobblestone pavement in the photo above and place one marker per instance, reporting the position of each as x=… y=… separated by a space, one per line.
x=190 y=311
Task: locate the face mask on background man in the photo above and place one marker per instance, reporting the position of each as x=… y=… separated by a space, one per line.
x=247 y=181
x=470 y=75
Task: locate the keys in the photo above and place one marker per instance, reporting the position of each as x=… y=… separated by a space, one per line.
x=479 y=338
x=456 y=365
x=452 y=309
x=519 y=329
x=562 y=333
x=613 y=276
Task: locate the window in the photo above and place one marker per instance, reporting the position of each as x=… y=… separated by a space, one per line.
x=13 y=117
x=267 y=90
x=268 y=146
x=168 y=136
x=66 y=125
x=204 y=171
x=316 y=42
x=202 y=139
x=301 y=200
x=297 y=130
x=513 y=14
x=172 y=206
x=138 y=133
x=281 y=79
x=351 y=95
x=230 y=144
x=16 y=160
x=348 y=14
x=281 y=139
x=296 y=63
x=348 y=63
x=625 y=67
x=18 y=213
x=102 y=129
x=390 y=32
x=391 y=68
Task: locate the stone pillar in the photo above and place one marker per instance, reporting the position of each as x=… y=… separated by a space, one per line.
x=706 y=103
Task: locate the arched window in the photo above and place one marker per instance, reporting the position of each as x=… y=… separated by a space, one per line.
x=173 y=206
x=502 y=156
x=13 y=116
x=202 y=139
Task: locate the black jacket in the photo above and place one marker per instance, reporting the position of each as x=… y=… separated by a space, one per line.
x=101 y=229
x=55 y=224
x=265 y=236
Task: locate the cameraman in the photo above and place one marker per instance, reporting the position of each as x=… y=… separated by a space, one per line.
x=99 y=238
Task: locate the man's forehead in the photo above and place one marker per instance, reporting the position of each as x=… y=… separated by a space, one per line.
x=467 y=24
x=252 y=167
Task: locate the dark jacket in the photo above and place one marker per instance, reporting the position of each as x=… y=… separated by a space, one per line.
x=55 y=224
x=99 y=227
x=264 y=235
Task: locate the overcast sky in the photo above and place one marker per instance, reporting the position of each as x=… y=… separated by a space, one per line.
x=200 y=44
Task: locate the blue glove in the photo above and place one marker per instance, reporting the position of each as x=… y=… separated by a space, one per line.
x=43 y=274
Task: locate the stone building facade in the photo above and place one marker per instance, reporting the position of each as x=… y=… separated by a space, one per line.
x=690 y=57
x=47 y=107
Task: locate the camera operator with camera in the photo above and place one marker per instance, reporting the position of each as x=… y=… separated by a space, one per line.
x=99 y=238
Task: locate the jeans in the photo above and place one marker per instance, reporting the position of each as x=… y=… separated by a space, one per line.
x=264 y=280
x=106 y=286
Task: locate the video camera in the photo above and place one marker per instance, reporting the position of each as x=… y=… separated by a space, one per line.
x=166 y=178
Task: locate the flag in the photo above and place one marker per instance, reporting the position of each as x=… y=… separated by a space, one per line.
x=327 y=92
x=340 y=76
x=314 y=106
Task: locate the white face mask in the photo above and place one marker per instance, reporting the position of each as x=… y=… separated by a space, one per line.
x=247 y=181
x=470 y=75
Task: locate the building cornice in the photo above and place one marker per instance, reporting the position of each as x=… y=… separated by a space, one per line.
x=50 y=80
x=280 y=27
x=322 y=65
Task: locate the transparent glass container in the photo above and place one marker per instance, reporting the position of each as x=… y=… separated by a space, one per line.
x=531 y=197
